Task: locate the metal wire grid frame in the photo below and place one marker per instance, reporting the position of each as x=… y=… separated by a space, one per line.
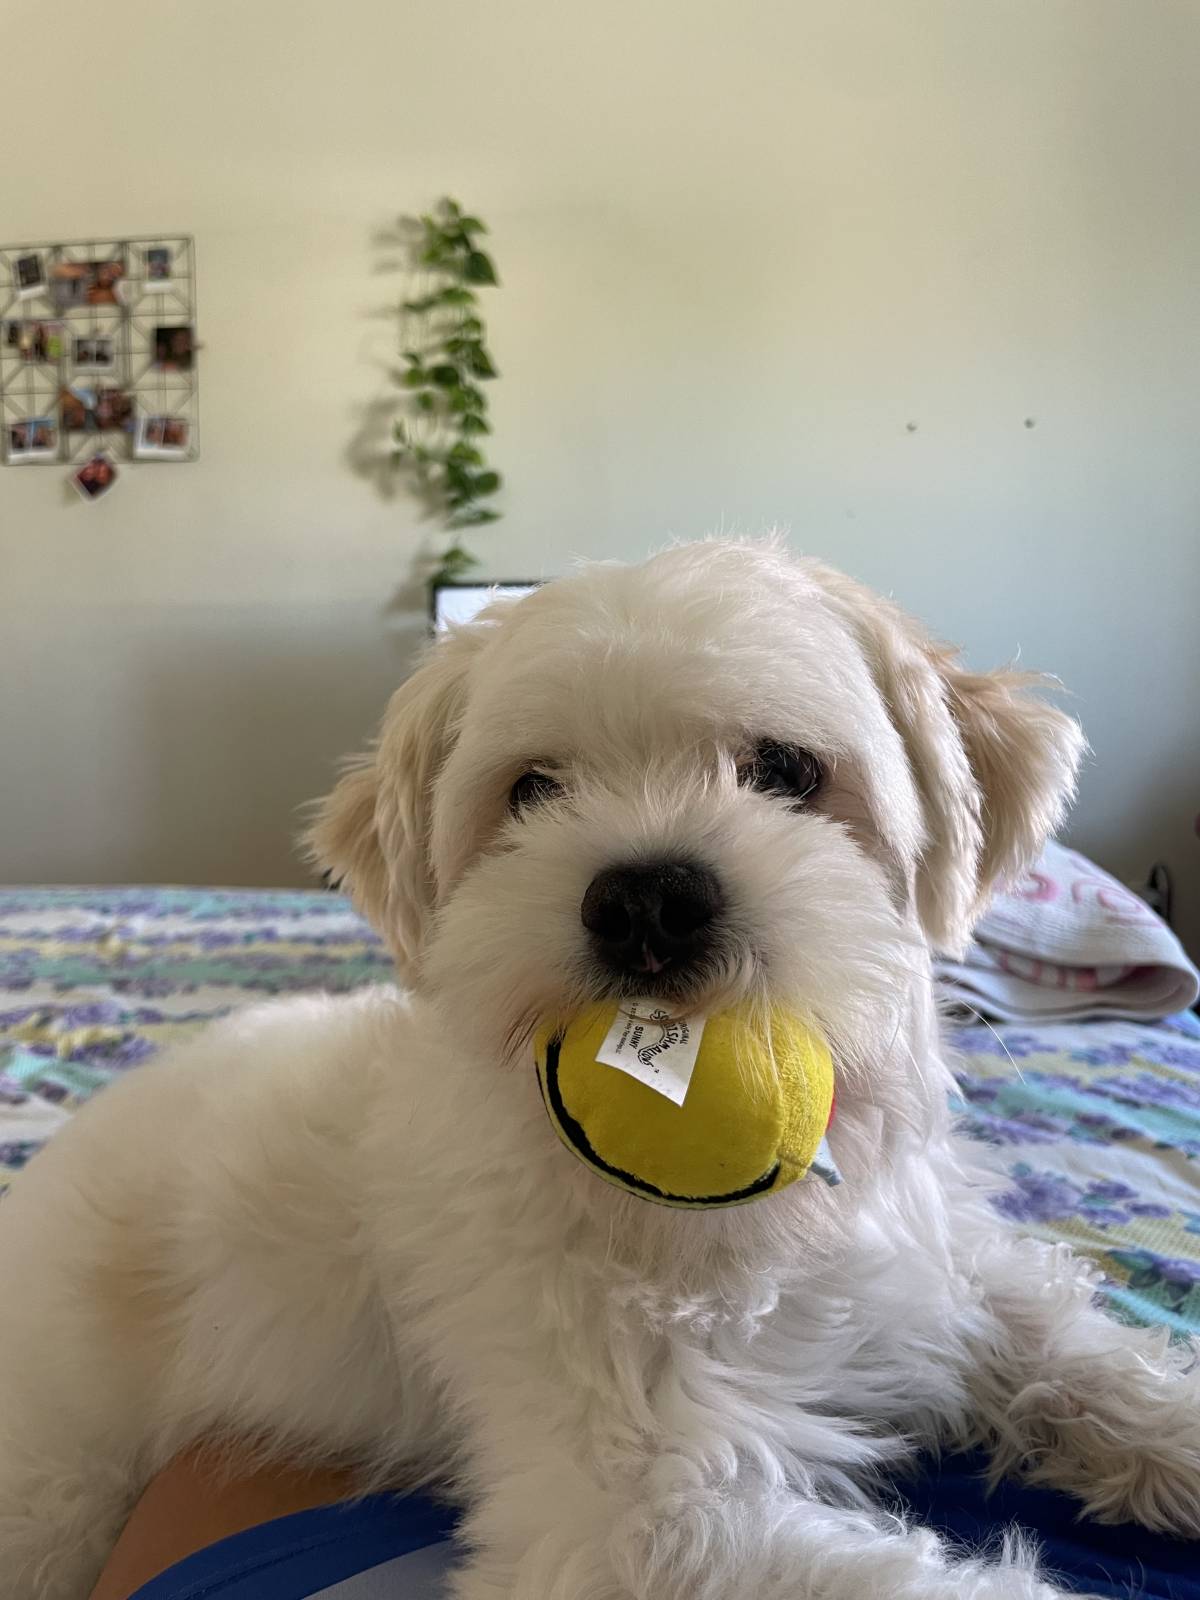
x=32 y=388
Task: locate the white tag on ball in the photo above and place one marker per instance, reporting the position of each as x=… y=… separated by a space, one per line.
x=650 y=1044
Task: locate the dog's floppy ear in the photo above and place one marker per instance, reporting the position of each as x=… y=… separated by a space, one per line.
x=1025 y=756
x=371 y=835
x=994 y=764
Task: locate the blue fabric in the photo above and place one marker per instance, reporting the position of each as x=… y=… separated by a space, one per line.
x=1086 y=1557
x=297 y=1556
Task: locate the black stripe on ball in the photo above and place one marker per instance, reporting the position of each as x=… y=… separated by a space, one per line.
x=580 y=1142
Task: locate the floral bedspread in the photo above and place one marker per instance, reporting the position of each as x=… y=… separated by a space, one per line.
x=1099 y=1122
x=1099 y=1125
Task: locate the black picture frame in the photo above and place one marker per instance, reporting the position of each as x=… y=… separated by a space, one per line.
x=485 y=585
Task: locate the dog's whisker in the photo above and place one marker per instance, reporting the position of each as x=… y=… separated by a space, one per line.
x=1012 y=1061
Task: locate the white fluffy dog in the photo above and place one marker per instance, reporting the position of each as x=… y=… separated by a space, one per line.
x=346 y=1228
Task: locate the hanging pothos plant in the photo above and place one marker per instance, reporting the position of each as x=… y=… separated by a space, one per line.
x=440 y=440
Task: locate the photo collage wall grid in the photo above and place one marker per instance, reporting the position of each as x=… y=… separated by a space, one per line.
x=98 y=353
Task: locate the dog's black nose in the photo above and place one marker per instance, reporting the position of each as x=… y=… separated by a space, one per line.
x=646 y=917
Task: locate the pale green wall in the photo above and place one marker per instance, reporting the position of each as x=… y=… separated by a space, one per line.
x=742 y=247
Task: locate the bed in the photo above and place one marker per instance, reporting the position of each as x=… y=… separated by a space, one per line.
x=1099 y=1123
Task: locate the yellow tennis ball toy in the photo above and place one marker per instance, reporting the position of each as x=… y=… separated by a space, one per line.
x=719 y=1120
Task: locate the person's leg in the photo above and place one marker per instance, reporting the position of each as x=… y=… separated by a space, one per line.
x=201 y=1497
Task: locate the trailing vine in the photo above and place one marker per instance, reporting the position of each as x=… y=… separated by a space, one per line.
x=440 y=439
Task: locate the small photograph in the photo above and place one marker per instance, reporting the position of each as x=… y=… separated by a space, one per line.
x=114 y=409
x=173 y=349
x=95 y=354
x=96 y=477
x=31 y=275
x=34 y=341
x=33 y=439
x=106 y=278
x=77 y=409
x=69 y=284
x=83 y=409
x=163 y=438
x=158 y=264
x=86 y=283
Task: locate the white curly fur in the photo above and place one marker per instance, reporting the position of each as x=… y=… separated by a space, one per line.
x=344 y=1227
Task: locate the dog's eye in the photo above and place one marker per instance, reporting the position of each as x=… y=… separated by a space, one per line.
x=784 y=770
x=530 y=789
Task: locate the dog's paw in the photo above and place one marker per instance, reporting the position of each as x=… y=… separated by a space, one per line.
x=1128 y=1449
x=1156 y=1484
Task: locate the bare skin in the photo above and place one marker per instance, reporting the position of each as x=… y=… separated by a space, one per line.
x=202 y=1497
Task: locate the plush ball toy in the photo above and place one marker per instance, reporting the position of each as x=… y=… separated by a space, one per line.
x=718 y=1120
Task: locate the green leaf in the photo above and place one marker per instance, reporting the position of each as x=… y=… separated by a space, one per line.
x=446 y=376
x=467 y=398
x=487 y=482
x=475 y=517
x=471 y=327
x=426 y=401
x=479 y=362
x=414 y=357
x=471 y=354
x=399 y=431
x=472 y=225
x=478 y=268
x=454 y=295
x=451 y=207
x=465 y=455
x=456 y=559
x=415 y=378
x=471 y=422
